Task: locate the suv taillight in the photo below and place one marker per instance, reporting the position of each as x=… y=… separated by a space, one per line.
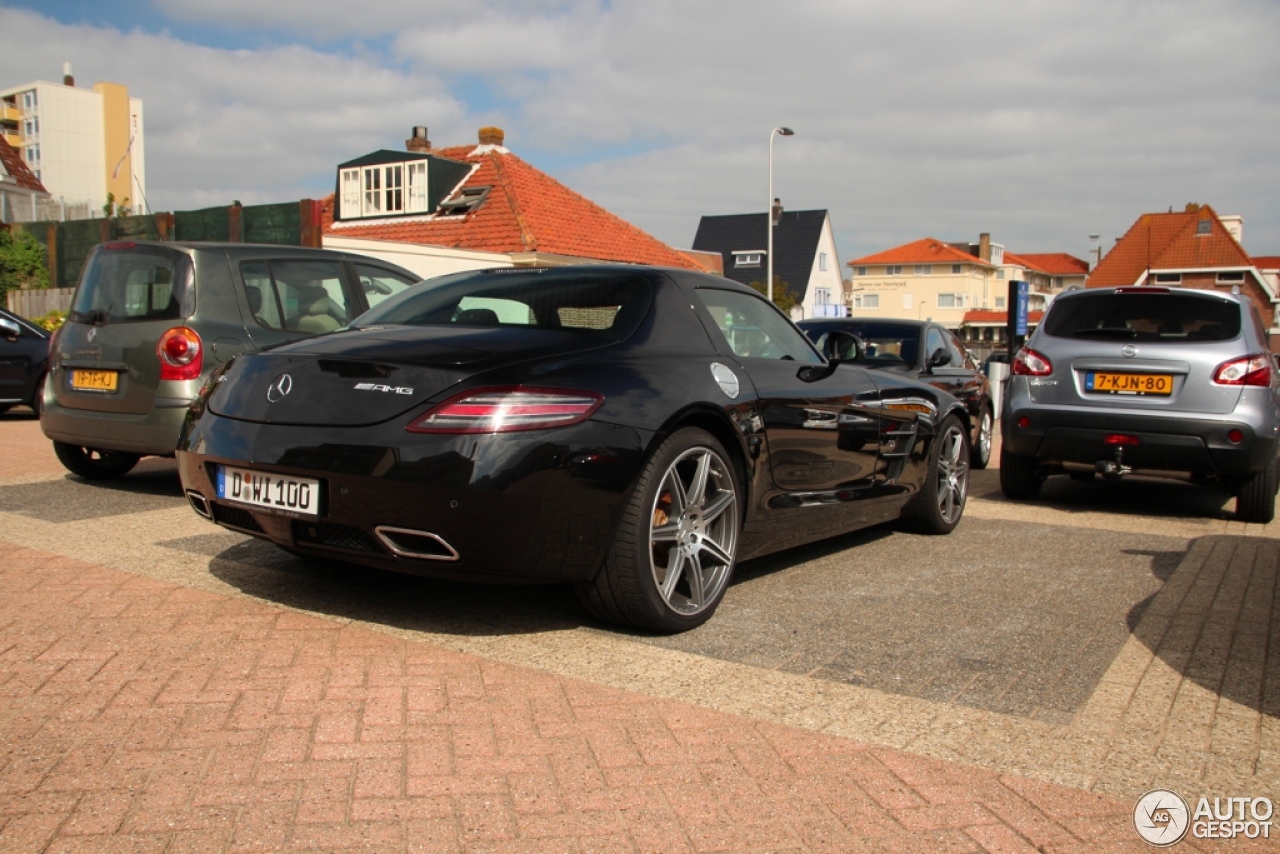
x=506 y=409
x=181 y=354
x=1029 y=363
x=1249 y=370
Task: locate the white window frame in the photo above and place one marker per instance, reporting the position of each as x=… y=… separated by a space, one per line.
x=957 y=269
x=957 y=300
x=1167 y=279
x=31 y=153
x=1230 y=277
x=866 y=301
x=924 y=269
x=416 y=186
x=349 y=185
x=1000 y=302
x=822 y=262
x=29 y=100
x=748 y=259
x=893 y=270
x=821 y=296
x=860 y=271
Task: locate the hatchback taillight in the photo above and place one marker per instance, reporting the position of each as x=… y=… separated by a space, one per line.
x=506 y=409
x=1249 y=370
x=181 y=354
x=1029 y=363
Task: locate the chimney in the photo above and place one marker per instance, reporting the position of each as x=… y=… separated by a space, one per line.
x=67 y=79
x=984 y=247
x=491 y=136
x=1234 y=224
x=418 y=140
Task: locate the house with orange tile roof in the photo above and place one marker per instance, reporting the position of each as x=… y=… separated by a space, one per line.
x=20 y=189
x=444 y=210
x=1191 y=248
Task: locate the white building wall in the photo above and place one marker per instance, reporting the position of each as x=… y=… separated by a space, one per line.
x=72 y=147
x=426 y=261
x=829 y=280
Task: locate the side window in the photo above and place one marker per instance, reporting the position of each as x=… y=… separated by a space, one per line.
x=959 y=355
x=378 y=284
x=754 y=329
x=933 y=342
x=301 y=296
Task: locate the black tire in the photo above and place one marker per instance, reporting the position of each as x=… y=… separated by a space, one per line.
x=1256 y=501
x=1020 y=478
x=939 y=504
x=661 y=529
x=94 y=464
x=980 y=457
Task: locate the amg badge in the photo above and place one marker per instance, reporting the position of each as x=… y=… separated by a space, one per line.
x=398 y=389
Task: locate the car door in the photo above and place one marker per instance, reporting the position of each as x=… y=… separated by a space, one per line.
x=822 y=426
x=21 y=357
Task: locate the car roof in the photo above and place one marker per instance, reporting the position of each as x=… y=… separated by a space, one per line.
x=887 y=321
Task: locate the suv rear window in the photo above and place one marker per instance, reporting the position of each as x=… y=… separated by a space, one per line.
x=1144 y=317
x=134 y=283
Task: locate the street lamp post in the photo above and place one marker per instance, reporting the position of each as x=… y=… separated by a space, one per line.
x=768 y=270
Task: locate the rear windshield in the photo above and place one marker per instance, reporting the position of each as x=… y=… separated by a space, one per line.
x=608 y=305
x=134 y=283
x=1144 y=317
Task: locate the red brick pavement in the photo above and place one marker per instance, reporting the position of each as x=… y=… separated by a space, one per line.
x=138 y=715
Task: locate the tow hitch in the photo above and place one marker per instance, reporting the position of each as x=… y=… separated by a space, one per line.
x=1113 y=469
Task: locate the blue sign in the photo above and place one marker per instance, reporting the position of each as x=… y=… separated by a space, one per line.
x=1024 y=299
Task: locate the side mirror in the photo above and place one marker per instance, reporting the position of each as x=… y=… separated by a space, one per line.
x=843 y=347
x=939 y=357
x=9 y=328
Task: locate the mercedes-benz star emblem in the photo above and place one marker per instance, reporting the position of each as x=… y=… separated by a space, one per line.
x=280 y=386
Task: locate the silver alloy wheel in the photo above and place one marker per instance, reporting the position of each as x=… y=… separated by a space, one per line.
x=693 y=531
x=985 y=432
x=953 y=474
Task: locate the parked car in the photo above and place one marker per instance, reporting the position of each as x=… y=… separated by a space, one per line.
x=24 y=358
x=634 y=431
x=1146 y=380
x=150 y=321
x=942 y=361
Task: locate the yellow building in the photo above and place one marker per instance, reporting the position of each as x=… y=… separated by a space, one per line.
x=82 y=144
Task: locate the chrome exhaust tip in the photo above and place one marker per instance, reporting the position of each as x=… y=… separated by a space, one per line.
x=200 y=504
x=420 y=545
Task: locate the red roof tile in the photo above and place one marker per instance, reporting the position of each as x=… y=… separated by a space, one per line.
x=926 y=251
x=1169 y=241
x=1267 y=262
x=18 y=169
x=1052 y=263
x=987 y=316
x=526 y=211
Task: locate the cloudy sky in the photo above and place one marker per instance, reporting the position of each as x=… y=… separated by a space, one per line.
x=1039 y=121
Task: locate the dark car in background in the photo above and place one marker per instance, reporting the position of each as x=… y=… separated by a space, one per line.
x=925 y=351
x=24 y=358
x=150 y=321
x=631 y=430
x=1147 y=381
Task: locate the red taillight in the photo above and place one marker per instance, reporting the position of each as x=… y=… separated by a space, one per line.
x=1029 y=363
x=1250 y=370
x=1120 y=439
x=506 y=409
x=181 y=354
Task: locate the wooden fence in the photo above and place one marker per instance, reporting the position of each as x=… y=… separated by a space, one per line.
x=40 y=301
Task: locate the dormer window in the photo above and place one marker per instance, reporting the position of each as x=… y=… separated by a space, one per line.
x=748 y=259
x=395 y=183
x=465 y=202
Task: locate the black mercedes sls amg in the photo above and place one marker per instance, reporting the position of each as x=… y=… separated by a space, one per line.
x=632 y=430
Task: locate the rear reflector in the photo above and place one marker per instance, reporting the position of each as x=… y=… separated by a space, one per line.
x=1120 y=439
x=1249 y=370
x=508 y=409
x=1235 y=436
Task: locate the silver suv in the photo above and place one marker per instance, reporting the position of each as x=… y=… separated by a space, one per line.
x=150 y=321
x=1146 y=380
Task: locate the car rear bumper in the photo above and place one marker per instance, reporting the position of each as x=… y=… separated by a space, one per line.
x=1186 y=443
x=536 y=506
x=155 y=432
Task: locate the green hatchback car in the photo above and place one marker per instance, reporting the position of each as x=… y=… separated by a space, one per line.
x=150 y=321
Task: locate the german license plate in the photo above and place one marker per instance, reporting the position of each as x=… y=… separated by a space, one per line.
x=94 y=380
x=290 y=496
x=1140 y=384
